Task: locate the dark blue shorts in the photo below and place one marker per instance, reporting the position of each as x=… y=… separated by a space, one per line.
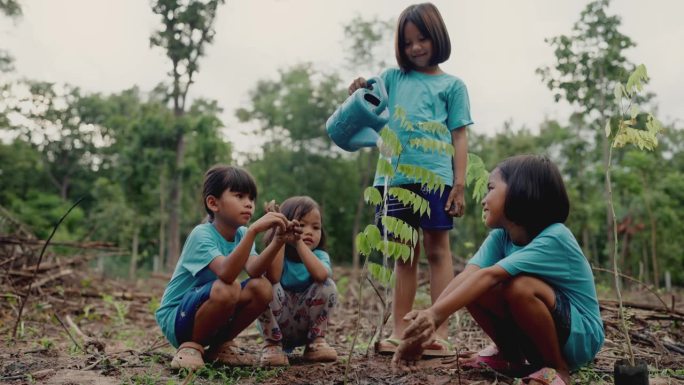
x=191 y=302
x=561 y=317
x=438 y=219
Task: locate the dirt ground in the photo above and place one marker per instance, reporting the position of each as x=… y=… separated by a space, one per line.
x=80 y=328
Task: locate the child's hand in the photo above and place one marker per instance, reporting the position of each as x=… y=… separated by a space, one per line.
x=419 y=334
x=271 y=206
x=292 y=234
x=270 y=220
x=455 y=205
x=356 y=84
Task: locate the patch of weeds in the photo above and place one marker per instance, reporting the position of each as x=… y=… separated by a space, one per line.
x=89 y=314
x=143 y=379
x=227 y=375
x=587 y=375
x=120 y=307
x=86 y=283
x=153 y=305
x=342 y=286
x=423 y=300
x=46 y=343
x=667 y=373
x=130 y=337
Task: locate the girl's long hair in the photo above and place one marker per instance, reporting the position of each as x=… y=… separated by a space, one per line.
x=535 y=195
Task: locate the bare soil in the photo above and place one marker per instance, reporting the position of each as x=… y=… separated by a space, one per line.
x=81 y=328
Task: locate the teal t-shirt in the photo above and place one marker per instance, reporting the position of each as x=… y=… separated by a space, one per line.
x=296 y=277
x=555 y=257
x=439 y=98
x=201 y=247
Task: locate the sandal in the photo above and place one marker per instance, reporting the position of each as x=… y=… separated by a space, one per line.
x=229 y=353
x=188 y=356
x=387 y=346
x=439 y=348
x=273 y=355
x=319 y=351
x=546 y=376
x=491 y=358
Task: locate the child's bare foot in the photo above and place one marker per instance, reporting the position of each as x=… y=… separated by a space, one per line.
x=319 y=351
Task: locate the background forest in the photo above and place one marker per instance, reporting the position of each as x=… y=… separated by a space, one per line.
x=137 y=156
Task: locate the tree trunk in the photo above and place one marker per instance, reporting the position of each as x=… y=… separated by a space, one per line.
x=654 y=258
x=162 y=223
x=176 y=188
x=175 y=199
x=133 y=267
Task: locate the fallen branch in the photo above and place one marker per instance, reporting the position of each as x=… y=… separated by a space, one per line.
x=69 y=334
x=52 y=277
x=40 y=258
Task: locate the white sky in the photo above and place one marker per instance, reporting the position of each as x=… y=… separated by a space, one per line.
x=103 y=46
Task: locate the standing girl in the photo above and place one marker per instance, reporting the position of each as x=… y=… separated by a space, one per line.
x=529 y=286
x=204 y=303
x=304 y=294
x=427 y=94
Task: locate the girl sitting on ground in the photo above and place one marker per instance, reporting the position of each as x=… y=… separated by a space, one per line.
x=529 y=286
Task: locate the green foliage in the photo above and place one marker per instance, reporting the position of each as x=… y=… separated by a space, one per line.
x=120 y=308
x=380 y=273
x=384 y=168
x=432 y=146
x=411 y=199
x=400 y=230
x=426 y=177
x=627 y=131
x=477 y=177
x=372 y=196
x=390 y=141
x=10 y=8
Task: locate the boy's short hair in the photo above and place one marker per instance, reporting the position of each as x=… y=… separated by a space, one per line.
x=429 y=21
x=536 y=195
x=220 y=178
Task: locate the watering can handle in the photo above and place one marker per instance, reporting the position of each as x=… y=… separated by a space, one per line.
x=380 y=90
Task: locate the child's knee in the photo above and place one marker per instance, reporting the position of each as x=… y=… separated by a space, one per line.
x=260 y=289
x=226 y=293
x=518 y=289
x=328 y=287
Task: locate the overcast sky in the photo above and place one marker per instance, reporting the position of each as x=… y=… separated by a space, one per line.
x=103 y=46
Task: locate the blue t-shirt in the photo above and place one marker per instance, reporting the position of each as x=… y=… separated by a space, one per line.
x=439 y=98
x=296 y=277
x=201 y=247
x=555 y=257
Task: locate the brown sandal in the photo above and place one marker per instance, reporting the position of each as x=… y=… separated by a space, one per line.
x=273 y=355
x=229 y=353
x=188 y=356
x=320 y=351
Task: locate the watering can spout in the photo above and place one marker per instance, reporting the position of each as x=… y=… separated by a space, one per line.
x=356 y=123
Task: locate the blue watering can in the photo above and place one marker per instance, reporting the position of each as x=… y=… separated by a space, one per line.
x=358 y=120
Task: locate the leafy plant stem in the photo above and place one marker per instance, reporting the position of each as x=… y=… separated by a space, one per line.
x=623 y=322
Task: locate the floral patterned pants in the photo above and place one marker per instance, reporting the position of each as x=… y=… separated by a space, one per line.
x=296 y=318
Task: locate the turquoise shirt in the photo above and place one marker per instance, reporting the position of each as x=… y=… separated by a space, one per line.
x=555 y=257
x=201 y=247
x=439 y=98
x=296 y=277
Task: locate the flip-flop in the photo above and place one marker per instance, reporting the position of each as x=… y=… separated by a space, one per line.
x=439 y=348
x=490 y=358
x=387 y=346
x=546 y=376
